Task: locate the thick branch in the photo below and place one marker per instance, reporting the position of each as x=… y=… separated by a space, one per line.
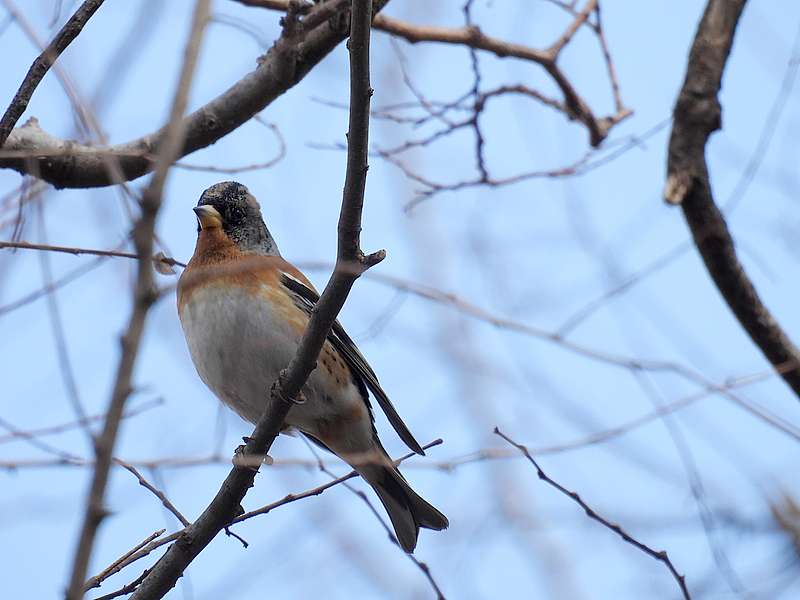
x=697 y=115
x=67 y=164
x=42 y=64
x=223 y=508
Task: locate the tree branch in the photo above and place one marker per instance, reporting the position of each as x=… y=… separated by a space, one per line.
x=697 y=115
x=122 y=561
x=68 y=164
x=472 y=37
x=145 y=548
x=224 y=508
x=660 y=555
x=158 y=258
x=144 y=297
x=154 y=490
x=42 y=64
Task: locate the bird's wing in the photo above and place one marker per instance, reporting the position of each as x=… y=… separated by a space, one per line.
x=306 y=298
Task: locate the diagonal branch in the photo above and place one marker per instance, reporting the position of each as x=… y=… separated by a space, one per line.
x=68 y=164
x=350 y=263
x=697 y=115
x=660 y=555
x=42 y=64
x=154 y=490
x=472 y=37
x=145 y=548
x=144 y=297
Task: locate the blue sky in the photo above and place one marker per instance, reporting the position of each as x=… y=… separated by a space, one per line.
x=534 y=252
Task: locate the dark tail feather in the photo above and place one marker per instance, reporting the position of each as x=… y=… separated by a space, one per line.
x=407 y=510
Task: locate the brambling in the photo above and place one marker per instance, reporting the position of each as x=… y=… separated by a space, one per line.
x=244 y=308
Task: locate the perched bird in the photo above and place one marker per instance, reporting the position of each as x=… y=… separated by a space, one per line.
x=243 y=309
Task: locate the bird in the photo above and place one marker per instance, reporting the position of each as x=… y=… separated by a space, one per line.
x=243 y=309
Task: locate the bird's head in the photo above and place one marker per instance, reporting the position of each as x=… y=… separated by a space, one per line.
x=231 y=208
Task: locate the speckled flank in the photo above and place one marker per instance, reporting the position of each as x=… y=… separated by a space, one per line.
x=334 y=366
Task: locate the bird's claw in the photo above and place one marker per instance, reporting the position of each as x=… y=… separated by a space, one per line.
x=240 y=459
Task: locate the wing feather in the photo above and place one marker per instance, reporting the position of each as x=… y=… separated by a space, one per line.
x=306 y=299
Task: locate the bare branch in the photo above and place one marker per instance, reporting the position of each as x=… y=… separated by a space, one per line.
x=418 y=563
x=59 y=335
x=144 y=297
x=42 y=64
x=68 y=277
x=122 y=561
x=125 y=589
x=154 y=490
x=472 y=37
x=660 y=555
x=697 y=115
x=426 y=292
x=588 y=309
x=62 y=427
x=64 y=163
x=145 y=549
x=279 y=155
x=223 y=508
x=170 y=262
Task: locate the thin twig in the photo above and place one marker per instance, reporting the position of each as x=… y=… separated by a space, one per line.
x=279 y=155
x=223 y=508
x=125 y=589
x=660 y=555
x=42 y=64
x=598 y=437
x=69 y=277
x=144 y=550
x=62 y=427
x=122 y=561
x=155 y=491
x=74 y=165
x=144 y=297
x=171 y=262
x=418 y=563
x=588 y=309
x=768 y=130
x=86 y=121
x=466 y=307
x=61 y=455
x=57 y=325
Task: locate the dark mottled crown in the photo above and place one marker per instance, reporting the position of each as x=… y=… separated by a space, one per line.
x=241 y=217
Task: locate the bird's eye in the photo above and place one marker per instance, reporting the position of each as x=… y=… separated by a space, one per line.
x=235 y=214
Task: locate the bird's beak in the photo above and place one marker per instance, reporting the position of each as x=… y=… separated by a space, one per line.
x=208 y=216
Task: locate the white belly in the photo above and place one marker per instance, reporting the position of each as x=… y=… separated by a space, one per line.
x=239 y=346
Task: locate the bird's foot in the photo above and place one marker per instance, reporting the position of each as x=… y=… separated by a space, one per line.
x=276 y=390
x=240 y=459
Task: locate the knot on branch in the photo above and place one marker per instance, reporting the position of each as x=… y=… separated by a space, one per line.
x=475 y=35
x=290 y=23
x=677 y=187
x=370 y=260
x=700 y=110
